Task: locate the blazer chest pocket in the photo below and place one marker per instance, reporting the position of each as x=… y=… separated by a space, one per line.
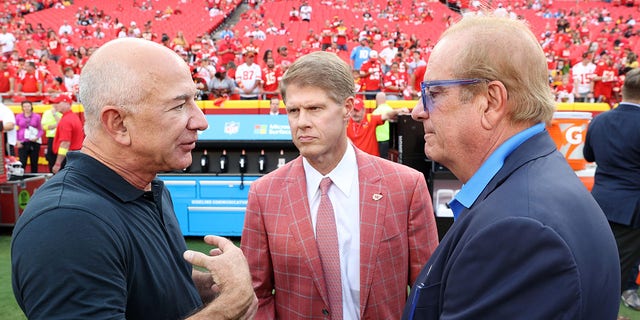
x=426 y=301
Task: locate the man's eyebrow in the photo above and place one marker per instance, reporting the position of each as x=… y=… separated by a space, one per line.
x=182 y=97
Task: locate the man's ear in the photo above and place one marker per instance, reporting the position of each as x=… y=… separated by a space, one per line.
x=348 y=105
x=114 y=124
x=496 y=108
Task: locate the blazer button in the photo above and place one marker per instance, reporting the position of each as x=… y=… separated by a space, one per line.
x=325 y=312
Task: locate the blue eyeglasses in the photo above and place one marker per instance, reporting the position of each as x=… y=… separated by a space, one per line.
x=427 y=99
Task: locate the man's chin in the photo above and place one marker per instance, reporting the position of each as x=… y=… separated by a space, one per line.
x=431 y=154
x=183 y=163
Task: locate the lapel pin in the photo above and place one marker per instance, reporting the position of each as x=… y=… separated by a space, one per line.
x=377 y=196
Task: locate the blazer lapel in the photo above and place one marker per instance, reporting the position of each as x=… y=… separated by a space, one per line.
x=373 y=199
x=297 y=205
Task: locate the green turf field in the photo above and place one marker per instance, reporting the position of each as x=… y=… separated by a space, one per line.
x=9 y=308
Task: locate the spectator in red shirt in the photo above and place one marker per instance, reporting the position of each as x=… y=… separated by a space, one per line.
x=227 y=50
x=361 y=128
x=341 y=36
x=54 y=88
x=565 y=53
x=7 y=79
x=30 y=83
x=605 y=77
x=30 y=55
x=283 y=29
x=271 y=75
x=291 y=46
x=49 y=67
x=304 y=49
x=82 y=54
x=54 y=46
x=251 y=45
x=282 y=58
x=66 y=40
x=326 y=35
x=311 y=36
x=395 y=82
x=371 y=73
x=39 y=34
x=69 y=61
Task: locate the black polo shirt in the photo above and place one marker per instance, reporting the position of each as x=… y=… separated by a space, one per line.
x=92 y=246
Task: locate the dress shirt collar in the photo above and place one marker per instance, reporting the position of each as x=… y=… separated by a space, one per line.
x=343 y=175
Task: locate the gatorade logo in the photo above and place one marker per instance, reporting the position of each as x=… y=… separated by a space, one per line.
x=568 y=130
x=573 y=135
x=23 y=199
x=573 y=144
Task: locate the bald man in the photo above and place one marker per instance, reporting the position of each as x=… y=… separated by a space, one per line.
x=100 y=240
x=529 y=241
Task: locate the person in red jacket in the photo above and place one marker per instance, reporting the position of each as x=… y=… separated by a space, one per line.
x=69 y=133
x=361 y=128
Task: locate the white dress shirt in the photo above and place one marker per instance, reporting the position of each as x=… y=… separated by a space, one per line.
x=345 y=199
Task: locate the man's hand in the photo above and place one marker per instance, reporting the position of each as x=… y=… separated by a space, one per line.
x=231 y=280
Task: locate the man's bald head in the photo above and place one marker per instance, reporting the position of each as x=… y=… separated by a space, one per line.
x=122 y=73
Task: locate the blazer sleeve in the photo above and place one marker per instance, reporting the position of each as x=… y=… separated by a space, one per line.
x=512 y=267
x=423 y=233
x=255 y=246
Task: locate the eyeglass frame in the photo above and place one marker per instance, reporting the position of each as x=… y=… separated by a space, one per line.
x=429 y=106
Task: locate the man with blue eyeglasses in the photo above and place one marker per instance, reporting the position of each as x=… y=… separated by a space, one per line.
x=528 y=241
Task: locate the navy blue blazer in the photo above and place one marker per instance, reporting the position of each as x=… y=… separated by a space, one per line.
x=613 y=142
x=534 y=245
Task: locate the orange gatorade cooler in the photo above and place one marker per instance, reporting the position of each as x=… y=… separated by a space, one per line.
x=568 y=130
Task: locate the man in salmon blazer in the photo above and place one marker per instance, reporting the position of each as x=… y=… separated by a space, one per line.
x=380 y=230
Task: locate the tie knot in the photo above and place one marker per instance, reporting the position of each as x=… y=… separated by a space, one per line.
x=325 y=184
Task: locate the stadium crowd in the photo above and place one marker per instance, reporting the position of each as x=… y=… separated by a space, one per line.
x=589 y=47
